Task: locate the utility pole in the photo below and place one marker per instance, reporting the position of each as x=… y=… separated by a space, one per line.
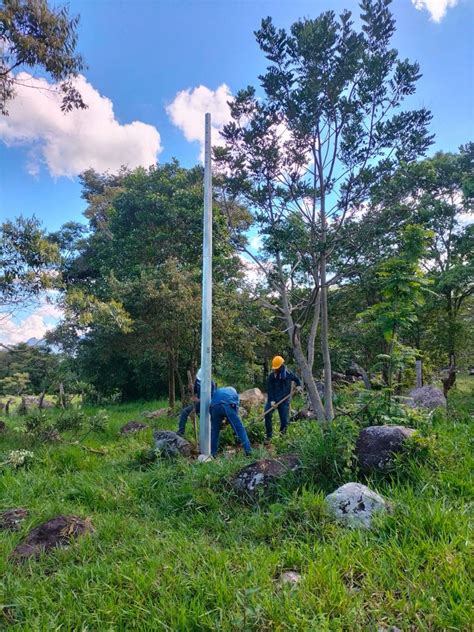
x=206 y=331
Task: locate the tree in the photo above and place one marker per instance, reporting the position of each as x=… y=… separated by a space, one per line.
x=34 y=35
x=28 y=262
x=437 y=194
x=403 y=287
x=305 y=156
x=133 y=281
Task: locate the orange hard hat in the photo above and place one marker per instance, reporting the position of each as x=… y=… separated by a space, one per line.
x=277 y=362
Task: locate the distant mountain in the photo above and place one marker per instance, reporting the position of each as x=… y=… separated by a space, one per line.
x=36 y=342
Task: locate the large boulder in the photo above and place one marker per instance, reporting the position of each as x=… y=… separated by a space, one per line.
x=259 y=476
x=427 y=397
x=171 y=444
x=376 y=446
x=354 y=505
x=252 y=398
x=11 y=519
x=58 y=531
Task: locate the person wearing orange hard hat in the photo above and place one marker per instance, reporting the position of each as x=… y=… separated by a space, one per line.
x=278 y=389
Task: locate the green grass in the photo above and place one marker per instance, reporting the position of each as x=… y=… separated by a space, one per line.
x=175 y=550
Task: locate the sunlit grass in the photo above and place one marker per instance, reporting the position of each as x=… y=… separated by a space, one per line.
x=175 y=550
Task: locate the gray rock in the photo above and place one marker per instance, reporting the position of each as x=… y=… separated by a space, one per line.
x=170 y=444
x=242 y=412
x=428 y=397
x=259 y=476
x=156 y=414
x=252 y=398
x=354 y=505
x=290 y=578
x=132 y=427
x=11 y=519
x=376 y=446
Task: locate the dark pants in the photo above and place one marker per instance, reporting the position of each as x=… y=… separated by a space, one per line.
x=219 y=412
x=183 y=418
x=283 y=411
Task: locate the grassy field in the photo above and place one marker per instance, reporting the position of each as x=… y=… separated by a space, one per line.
x=173 y=549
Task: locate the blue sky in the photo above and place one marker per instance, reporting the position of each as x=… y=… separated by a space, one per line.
x=142 y=54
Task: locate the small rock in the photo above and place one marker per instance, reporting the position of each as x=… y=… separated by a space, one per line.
x=261 y=474
x=376 y=446
x=252 y=398
x=290 y=577
x=354 y=505
x=428 y=397
x=58 y=531
x=132 y=427
x=11 y=519
x=170 y=444
x=242 y=412
x=156 y=414
x=3 y=426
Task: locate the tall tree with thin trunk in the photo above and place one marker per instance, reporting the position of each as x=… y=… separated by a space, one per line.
x=304 y=153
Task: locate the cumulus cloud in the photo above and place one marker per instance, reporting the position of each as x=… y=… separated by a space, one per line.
x=437 y=8
x=189 y=106
x=34 y=325
x=70 y=143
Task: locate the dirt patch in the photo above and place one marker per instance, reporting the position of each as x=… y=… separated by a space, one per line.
x=57 y=532
x=11 y=519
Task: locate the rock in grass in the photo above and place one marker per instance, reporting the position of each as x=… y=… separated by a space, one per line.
x=170 y=444
x=57 y=532
x=3 y=426
x=376 y=446
x=290 y=578
x=258 y=476
x=252 y=398
x=156 y=414
x=427 y=397
x=354 y=505
x=132 y=427
x=11 y=519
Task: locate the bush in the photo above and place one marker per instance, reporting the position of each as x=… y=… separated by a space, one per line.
x=326 y=451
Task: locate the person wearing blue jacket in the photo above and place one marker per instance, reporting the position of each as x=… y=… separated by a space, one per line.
x=278 y=387
x=195 y=405
x=225 y=405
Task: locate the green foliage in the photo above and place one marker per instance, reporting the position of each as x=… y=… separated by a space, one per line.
x=15 y=383
x=28 y=260
x=37 y=36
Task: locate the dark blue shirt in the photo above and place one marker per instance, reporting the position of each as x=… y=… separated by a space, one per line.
x=197 y=388
x=226 y=395
x=279 y=384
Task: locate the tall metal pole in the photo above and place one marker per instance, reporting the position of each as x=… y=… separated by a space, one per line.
x=206 y=334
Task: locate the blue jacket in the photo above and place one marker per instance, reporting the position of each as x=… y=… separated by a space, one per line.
x=197 y=388
x=279 y=385
x=226 y=395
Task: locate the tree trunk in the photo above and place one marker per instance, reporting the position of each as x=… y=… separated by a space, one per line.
x=419 y=373
x=314 y=331
x=41 y=399
x=325 y=343
x=61 y=395
x=182 y=390
x=171 y=382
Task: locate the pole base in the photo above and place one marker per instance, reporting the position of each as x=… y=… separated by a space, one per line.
x=204 y=458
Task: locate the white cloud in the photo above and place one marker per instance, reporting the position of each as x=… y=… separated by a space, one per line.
x=35 y=325
x=437 y=8
x=188 y=108
x=70 y=143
